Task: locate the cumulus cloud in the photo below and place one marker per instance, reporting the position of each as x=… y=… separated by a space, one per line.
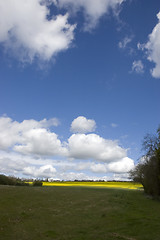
x=153 y=48
x=92 y=146
x=30 y=31
x=29 y=166
x=41 y=142
x=46 y=171
x=30 y=137
x=92 y=9
x=98 y=168
x=13 y=163
x=28 y=148
x=121 y=177
x=122 y=166
x=74 y=176
x=26 y=29
x=137 y=66
x=83 y=125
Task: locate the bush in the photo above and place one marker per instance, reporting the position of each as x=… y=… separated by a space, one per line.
x=37 y=183
x=4 y=180
x=21 y=183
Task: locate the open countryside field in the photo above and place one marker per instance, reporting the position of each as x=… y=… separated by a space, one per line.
x=77 y=213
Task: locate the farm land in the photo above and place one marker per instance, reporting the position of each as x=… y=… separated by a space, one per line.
x=78 y=213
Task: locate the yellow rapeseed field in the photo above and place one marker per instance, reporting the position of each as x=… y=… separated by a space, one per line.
x=125 y=185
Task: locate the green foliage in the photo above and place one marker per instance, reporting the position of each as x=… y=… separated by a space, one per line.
x=5 y=180
x=37 y=183
x=147 y=172
x=21 y=183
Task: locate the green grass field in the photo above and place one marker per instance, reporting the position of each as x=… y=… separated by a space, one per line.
x=77 y=213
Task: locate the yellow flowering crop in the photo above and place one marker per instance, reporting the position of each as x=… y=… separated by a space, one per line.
x=125 y=185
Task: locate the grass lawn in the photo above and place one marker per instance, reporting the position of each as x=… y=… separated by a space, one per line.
x=77 y=213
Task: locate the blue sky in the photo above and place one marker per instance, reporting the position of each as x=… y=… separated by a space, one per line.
x=79 y=86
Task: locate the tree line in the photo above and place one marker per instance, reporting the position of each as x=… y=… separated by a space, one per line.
x=13 y=181
x=147 y=171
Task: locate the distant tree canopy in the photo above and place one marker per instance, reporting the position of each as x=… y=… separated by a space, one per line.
x=10 y=180
x=5 y=180
x=147 y=172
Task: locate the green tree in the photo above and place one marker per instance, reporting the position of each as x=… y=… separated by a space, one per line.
x=37 y=183
x=147 y=172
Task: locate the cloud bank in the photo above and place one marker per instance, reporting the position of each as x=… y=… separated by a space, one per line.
x=29 y=148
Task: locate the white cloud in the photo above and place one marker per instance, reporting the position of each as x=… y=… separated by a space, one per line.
x=82 y=166
x=121 y=177
x=30 y=137
x=29 y=166
x=24 y=147
x=83 y=125
x=41 y=142
x=122 y=166
x=140 y=46
x=25 y=28
x=48 y=123
x=45 y=171
x=123 y=44
x=138 y=66
x=92 y=146
x=28 y=30
x=98 y=168
x=11 y=164
x=9 y=132
x=153 y=48
x=93 y=9
x=114 y=125
x=71 y=176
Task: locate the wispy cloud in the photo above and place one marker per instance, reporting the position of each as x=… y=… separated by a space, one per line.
x=123 y=44
x=138 y=67
x=93 y=9
x=114 y=125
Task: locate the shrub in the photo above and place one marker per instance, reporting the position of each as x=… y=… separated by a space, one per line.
x=21 y=183
x=37 y=183
x=4 y=180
